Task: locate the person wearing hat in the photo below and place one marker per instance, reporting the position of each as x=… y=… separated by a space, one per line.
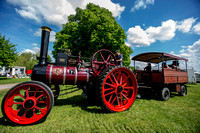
x=119 y=57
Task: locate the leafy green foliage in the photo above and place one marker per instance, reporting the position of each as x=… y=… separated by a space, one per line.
x=90 y=30
x=8 y=53
x=29 y=60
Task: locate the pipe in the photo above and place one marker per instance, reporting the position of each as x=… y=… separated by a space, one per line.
x=44 y=45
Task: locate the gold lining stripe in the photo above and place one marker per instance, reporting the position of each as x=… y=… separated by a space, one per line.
x=46 y=28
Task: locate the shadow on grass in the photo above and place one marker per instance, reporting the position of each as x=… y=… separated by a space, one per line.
x=149 y=94
x=3 y=78
x=78 y=100
x=4 y=122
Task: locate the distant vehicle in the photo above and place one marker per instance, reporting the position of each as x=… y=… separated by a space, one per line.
x=191 y=76
x=19 y=72
x=197 y=75
x=168 y=78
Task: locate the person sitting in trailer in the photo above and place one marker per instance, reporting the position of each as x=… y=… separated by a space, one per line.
x=175 y=65
x=165 y=65
x=147 y=69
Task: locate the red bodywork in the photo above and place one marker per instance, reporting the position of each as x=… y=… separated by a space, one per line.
x=67 y=75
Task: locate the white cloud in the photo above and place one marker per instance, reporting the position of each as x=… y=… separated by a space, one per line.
x=34 y=44
x=141 y=4
x=192 y=53
x=164 y=32
x=38 y=33
x=196 y=29
x=28 y=51
x=172 y=52
x=56 y=12
x=138 y=37
x=185 y=25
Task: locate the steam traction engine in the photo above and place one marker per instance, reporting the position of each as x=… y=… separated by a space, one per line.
x=31 y=102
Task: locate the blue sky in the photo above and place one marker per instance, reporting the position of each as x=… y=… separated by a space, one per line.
x=171 y=26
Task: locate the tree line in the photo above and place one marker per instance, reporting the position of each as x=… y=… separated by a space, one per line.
x=87 y=31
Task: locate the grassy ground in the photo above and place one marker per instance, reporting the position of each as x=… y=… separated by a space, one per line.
x=4 y=80
x=73 y=114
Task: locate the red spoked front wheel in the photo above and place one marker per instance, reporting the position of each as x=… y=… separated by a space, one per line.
x=118 y=89
x=27 y=103
x=101 y=60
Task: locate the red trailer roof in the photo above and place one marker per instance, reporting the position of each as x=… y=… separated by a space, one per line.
x=156 y=57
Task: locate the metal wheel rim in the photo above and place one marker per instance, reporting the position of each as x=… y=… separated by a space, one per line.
x=99 y=66
x=114 y=98
x=23 y=114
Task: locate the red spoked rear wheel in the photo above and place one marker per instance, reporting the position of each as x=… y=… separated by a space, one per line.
x=27 y=103
x=101 y=60
x=119 y=89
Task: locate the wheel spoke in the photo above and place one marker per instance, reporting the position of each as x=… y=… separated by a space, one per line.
x=102 y=56
x=111 y=80
x=118 y=101
x=40 y=96
x=100 y=70
x=124 y=96
x=124 y=84
x=27 y=94
x=109 y=93
x=42 y=101
x=114 y=99
x=111 y=64
x=17 y=103
x=21 y=96
x=118 y=76
x=108 y=58
x=35 y=92
x=121 y=99
x=96 y=62
x=33 y=111
x=38 y=108
x=108 y=89
x=114 y=78
x=129 y=87
x=25 y=112
x=19 y=109
x=110 y=98
x=110 y=85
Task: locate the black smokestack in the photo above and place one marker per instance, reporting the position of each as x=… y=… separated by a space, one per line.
x=44 y=45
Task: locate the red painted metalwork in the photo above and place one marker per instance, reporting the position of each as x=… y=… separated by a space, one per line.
x=101 y=60
x=27 y=104
x=119 y=89
x=67 y=75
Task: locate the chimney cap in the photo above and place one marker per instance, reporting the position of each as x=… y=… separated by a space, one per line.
x=46 y=28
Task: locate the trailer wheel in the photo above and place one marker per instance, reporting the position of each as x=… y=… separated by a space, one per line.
x=165 y=94
x=27 y=103
x=118 y=89
x=183 y=91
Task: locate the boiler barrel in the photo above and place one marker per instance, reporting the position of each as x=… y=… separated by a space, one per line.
x=67 y=75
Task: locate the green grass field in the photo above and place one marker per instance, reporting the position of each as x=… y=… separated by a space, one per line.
x=4 y=80
x=73 y=114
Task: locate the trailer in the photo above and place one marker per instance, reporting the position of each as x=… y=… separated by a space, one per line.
x=167 y=78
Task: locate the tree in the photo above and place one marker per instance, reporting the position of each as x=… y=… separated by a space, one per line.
x=90 y=30
x=8 y=52
x=28 y=60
